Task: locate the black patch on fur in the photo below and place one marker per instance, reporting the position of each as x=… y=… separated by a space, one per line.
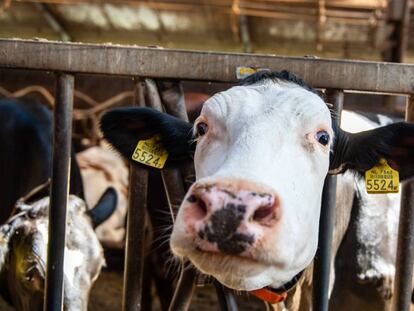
x=104 y=208
x=26 y=153
x=283 y=75
x=222 y=229
x=124 y=127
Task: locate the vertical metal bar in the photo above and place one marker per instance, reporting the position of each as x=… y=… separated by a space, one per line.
x=185 y=288
x=322 y=263
x=134 y=250
x=405 y=247
x=225 y=298
x=172 y=95
x=62 y=133
x=175 y=190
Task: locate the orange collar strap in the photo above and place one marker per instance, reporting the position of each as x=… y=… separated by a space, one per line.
x=277 y=295
x=268 y=295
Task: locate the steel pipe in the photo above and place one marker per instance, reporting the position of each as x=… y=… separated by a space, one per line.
x=185 y=288
x=135 y=235
x=322 y=263
x=204 y=66
x=174 y=188
x=225 y=297
x=62 y=133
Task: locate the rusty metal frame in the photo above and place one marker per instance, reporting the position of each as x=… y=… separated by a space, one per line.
x=67 y=59
x=107 y=59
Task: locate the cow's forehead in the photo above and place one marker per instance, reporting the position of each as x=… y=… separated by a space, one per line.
x=284 y=98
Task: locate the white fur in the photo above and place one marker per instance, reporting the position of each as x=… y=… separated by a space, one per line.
x=83 y=252
x=377 y=223
x=260 y=133
x=102 y=168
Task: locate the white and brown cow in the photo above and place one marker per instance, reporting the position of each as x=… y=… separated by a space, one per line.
x=23 y=245
x=261 y=152
x=101 y=168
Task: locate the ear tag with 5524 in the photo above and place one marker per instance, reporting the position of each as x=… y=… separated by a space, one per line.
x=382 y=178
x=150 y=152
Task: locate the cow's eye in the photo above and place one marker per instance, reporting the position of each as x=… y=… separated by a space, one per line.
x=201 y=128
x=322 y=137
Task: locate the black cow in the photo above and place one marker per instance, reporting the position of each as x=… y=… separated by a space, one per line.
x=25 y=152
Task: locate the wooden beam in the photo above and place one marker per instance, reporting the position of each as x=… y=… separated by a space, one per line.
x=398 y=19
x=205 y=66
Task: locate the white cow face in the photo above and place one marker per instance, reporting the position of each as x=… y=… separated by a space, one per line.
x=262 y=151
x=251 y=218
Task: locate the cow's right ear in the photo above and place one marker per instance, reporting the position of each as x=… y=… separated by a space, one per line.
x=123 y=128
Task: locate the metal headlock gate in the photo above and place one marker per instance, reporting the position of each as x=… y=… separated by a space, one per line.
x=68 y=59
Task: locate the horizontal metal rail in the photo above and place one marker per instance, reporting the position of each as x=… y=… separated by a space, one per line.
x=207 y=66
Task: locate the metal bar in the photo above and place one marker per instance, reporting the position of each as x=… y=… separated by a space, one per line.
x=62 y=132
x=172 y=95
x=174 y=189
x=405 y=246
x=225 y=297
x=173 y=182
x=134 y=250
x=185 y=288
x=206 y=66
x=322 y=263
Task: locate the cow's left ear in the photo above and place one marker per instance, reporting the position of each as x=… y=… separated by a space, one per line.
x=124 y=127
x=361 y=151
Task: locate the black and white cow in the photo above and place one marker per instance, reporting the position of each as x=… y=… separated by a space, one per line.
x=261 y=152
x=365 y=261
x=23 y=245
x=25 y=163
x=26 y=152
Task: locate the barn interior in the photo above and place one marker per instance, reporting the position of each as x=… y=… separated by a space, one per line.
x=374 y=30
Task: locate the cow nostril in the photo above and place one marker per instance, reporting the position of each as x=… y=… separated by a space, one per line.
x=262 y=213
x=202 y=206
x=199 y=206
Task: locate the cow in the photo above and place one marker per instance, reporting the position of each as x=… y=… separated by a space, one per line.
x=365 y=261
x=23 y=245
x=25 y=163
x=364 y=242
x=26 y=152
x=261 y=152
x=101 y=168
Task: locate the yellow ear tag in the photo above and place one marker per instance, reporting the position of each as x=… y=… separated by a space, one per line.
x=244 y=71
x=382 y=178
x=150 y=152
